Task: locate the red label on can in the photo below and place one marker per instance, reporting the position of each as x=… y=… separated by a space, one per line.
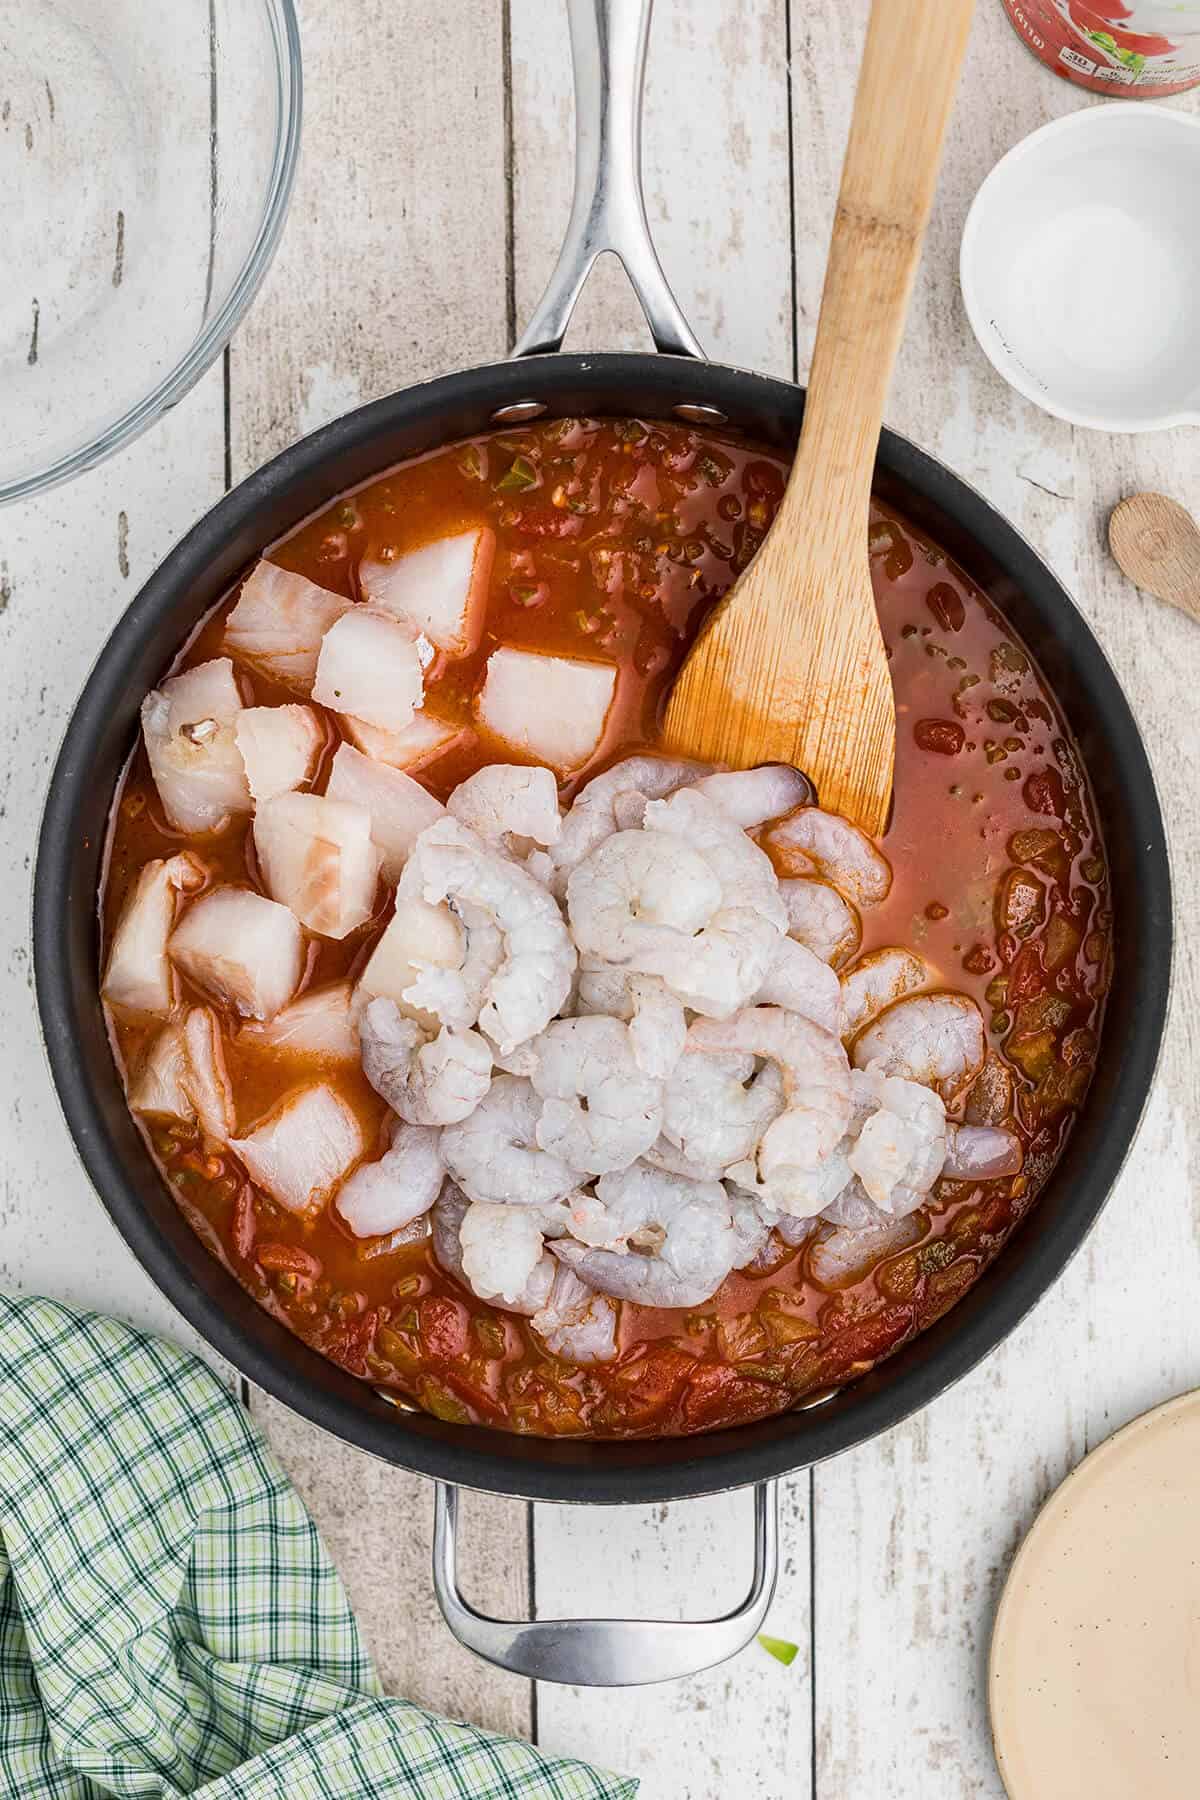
x=1142 y=50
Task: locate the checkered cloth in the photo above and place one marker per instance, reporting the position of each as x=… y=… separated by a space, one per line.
x=170 y=1623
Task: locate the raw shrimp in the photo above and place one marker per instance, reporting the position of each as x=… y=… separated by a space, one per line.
x=801 y=983
x=752 y=796
x=655 y=1016
x=850 y=1251
x=508 y=801
x=717 y=1107
x=671 y=1241
x=877 y=980
x=981 y=1152
x=600 y=1112
x=816 y=1094
x=688 y=898
x=901 y=1146
x=450 y=862
x=387 y=1195
x=501 y=1249
x=575 y=1322
x=936 y=1039
x=593 y=817
x=835 y=848
x=821 y=919
x=438 y=1082
x=494 y=1154
x=455 y=997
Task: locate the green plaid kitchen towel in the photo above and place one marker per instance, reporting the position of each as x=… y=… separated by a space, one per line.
x=170 y=1623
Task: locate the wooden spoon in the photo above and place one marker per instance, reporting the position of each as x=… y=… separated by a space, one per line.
x=1157 y=543
x=790 y=666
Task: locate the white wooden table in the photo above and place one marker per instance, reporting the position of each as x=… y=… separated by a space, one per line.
x=433 y=187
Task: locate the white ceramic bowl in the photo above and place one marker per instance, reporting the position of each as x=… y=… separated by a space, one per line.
x=1080 y=267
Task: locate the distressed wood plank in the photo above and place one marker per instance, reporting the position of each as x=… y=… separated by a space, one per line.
x=377 y=1523
x=392 y=269
x=913 y=1534
x=716 y=178
x=742 y=1728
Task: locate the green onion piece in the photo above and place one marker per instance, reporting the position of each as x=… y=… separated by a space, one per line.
x=779 y=1648
x=520 y=475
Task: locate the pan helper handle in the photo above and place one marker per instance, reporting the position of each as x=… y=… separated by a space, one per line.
x=606 y=1652
x=608 y=52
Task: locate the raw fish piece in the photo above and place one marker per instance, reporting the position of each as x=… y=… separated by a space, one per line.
x=300 y=1152
x=139 y=977
x=189 y=727
x=278 y=623
x=550 y=707
x=370 y=666
x=317 y=857
x=441 y=588
x=280 y=747
x=319 y=1024
x=400 y=807
x=418 y=936
x=241 y=948
x=421 y=741
x=183 y=1077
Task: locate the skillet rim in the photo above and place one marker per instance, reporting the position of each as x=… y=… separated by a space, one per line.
x=209 y=1297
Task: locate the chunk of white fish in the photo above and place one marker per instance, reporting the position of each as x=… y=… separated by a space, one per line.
x=139 y=977
x=278 y=623
x=303 y=1149
x=400 y=808
x=387 y=1195
x=417 y=937
x=182 y=1076
x=421 y=741
x=440 y=588
x=319 y=1025
x=318 y=858
x=189 y=729
x=280 y=747
x=370 y=666
x=552 y=708
x=243 y=949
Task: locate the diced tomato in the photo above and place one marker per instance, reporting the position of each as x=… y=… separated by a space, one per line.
x=649 y=1381
x=717 y=1395
x=289 y=1258
x=443 y=1327
x=1026 y=978
x=349 y=1342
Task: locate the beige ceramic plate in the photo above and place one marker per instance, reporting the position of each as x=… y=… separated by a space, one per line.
x=1094 y=1681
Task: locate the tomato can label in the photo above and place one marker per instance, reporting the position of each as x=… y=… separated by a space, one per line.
x=1148 y=48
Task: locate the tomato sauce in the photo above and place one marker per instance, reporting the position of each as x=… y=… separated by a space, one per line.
x=613 y=539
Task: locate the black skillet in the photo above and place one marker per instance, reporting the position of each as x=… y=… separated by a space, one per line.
x=608 y=41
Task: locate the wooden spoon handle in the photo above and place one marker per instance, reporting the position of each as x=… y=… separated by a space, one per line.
x=910 y=68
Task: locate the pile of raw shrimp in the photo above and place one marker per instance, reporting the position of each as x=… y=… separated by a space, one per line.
x=641 y=1068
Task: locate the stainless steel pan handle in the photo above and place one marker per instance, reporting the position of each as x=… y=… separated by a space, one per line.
x=606 y=1652
x=608 y=52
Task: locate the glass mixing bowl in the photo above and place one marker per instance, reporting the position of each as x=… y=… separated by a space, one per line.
x=146 y=161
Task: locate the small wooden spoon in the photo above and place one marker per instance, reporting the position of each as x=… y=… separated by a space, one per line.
x=1157 y=543
x=790 y=666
